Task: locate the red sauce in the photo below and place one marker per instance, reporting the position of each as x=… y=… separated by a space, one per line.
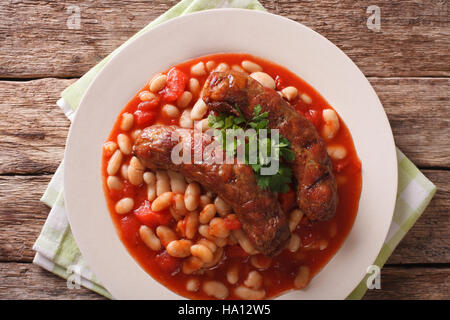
x=279 y=277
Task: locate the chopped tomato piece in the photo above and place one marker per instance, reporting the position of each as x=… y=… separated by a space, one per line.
x=287 y=200
x=150 y=218
x=176 y=82
x=315 y=117
x=129 y=190
x=351 y=166
x=144 y=118
x=235 y=251
x=167 y=263
x=148 y=105
x=232 y=223
x=129 y=227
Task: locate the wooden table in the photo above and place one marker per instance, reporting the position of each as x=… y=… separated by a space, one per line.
x=407 y=62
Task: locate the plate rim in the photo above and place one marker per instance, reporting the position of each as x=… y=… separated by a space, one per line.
x=112 y=60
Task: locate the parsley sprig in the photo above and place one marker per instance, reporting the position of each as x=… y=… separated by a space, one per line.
x=279 y=182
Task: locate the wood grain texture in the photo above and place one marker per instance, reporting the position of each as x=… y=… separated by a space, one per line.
x=22 y=217
x=33 y=129
x=36 y=42
x=28 y=281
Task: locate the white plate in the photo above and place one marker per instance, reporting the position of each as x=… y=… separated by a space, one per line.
x=290 y=44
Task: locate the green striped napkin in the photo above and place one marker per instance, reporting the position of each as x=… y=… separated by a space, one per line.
x=57 y=251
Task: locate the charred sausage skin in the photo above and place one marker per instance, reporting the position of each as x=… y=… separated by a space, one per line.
x=312 y=167
x=258 y=211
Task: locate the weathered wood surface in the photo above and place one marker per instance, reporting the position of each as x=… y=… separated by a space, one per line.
x=28 y=281
x=22 y=217
x=36 y=42
x=407 y=62
x=33 y=129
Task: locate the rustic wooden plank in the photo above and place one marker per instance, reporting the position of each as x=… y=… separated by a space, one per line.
x=422 y=283
x=33 y=129
x=419 y=113
x=35 y=40
x=22 y=217
x=28 y=281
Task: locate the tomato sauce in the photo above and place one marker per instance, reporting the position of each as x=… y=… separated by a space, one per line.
x=320 y=241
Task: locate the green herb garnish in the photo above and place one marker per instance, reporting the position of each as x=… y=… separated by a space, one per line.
x=278 y=182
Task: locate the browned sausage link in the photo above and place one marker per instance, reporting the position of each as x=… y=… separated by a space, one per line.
x=316 y=188
x=258 y=211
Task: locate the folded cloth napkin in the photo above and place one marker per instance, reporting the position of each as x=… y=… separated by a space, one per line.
x=57 y=251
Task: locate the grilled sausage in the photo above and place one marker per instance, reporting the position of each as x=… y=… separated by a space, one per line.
x=316 y=184
x=258 y=211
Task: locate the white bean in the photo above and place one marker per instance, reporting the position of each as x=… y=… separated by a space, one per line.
x=204 y=231
x=222 y=207
x=215 y=289
x=199 y=110
x=124 y=171
x=204 y=200
x=203 y=252
x=251 y=66
x=151 y=191
x=135 y=171
x=149 y=177
x=191 y=264
x=209 y=244
x=198 y=69
x=162 y=202
x=222 y=67
x=110 y=147
x=184 y=100
x=114 y=163
x=162 y=182
x=158 y=83
x=237 y=68
x=146 y=95
x=124 y=143
x=192 y=196
x=217 y=256
x=254 y=280
x=295 y=217
x=207 y=213
x=179 y=248
x=178 y=207
x=249 y=294
x=306 y=98
x=217 y=228
x=302 y=278
x=261 y=262
x=124 y=205
x=166 y=235
x=149 y=238
x=177 y=182
x=127 y=121
x=337 y=152
x=264 y=79
x=193 y=285
x=194 y=86
x=114 y=183
x=290 y=93
x=244 y=242
x=170 y=111
x=202 y=125
x=233 y=274
x=331 y=126
x=210 y=65
x=191 y=224
x=294 y=243
x=185 y=119
x=135 y=134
